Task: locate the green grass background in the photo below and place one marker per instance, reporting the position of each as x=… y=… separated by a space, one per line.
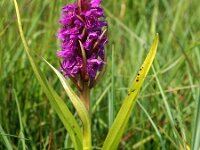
x=172 y=88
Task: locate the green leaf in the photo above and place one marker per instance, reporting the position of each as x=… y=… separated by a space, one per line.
x=120 y=122
x=57 y=103
x=79 y=106
x=21 y=133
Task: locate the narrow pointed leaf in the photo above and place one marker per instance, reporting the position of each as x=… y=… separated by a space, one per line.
x=120 y=122
x=78 y=104
x=57 y=103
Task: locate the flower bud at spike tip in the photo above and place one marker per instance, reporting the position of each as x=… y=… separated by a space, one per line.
x=83 y=37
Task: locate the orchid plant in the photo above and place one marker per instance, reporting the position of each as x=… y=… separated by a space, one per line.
x=82 y=60
x=83 y=37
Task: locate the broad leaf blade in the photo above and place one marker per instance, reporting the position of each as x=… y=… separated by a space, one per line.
x=57 y=103
x=120 y=122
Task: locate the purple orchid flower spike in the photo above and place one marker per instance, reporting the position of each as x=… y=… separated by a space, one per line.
x=83 y=37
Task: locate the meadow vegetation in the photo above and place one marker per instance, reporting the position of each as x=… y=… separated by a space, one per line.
x=167 y=112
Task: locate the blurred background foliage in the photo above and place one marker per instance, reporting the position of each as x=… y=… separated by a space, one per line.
x=132 y=26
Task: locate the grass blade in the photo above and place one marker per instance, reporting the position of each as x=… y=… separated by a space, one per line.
x=153 y=124
x=196 y=131
x=142 y=142
x=5 y=139
x=117 y=129
x=21 y=133
x=57 y=103
x=111 y=100
x=168 y=110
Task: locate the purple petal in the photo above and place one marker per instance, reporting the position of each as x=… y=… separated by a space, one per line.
x=95 y=3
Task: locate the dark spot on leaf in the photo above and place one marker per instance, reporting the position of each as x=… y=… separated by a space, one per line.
x=131 y=92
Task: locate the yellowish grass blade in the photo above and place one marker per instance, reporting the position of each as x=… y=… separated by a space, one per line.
x=120 y=122
x=57 y=103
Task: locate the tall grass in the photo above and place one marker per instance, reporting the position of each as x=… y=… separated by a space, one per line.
x=172 y=89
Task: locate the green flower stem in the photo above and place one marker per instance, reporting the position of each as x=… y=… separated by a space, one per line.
x=85 y=98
